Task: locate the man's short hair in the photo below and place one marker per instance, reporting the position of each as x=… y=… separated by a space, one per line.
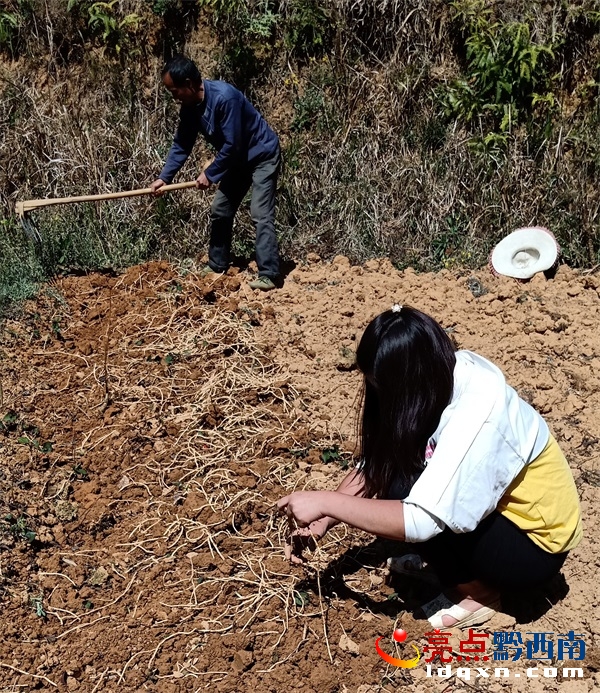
x=181 y=69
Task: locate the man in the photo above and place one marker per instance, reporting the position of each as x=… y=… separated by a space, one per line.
x=248 y=154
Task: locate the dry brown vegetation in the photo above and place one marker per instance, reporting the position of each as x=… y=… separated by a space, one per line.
x=149 y=422
x=375 y=162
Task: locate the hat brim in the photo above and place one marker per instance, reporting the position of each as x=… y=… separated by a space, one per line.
x=525 y=252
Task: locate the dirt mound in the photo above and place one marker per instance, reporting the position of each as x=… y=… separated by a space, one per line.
x=148 y=424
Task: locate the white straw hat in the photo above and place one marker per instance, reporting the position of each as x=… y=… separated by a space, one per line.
x=525 y=252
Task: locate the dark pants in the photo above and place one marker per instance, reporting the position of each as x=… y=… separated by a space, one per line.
x=232 y=189
x=496 y=552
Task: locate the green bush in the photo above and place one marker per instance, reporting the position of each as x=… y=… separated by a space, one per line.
x=506 y=74
x=108 y=23
x=20 y=268
x=308 y=27
x=9 y=24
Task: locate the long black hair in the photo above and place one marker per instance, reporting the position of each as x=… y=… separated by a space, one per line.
x=408 y=365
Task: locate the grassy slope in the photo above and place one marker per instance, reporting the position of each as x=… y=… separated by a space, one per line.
x=376 y=162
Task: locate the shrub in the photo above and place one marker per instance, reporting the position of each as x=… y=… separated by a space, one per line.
x=506 y=73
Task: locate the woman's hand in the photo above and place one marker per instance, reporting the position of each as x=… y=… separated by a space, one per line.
x=306 y=538
x=303 y=507
x=309 y=522
x=382 y=517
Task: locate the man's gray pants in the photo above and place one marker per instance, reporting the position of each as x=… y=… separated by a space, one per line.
x=232 y=189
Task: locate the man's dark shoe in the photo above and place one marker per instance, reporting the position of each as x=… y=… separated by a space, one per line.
x=206 y=271
x=263 y=283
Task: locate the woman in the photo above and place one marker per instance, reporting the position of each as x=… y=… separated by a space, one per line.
x=453 y=459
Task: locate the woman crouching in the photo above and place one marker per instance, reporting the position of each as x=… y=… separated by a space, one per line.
x=454 y=460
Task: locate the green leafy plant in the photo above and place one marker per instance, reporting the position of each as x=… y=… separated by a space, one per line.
x=309 y=110
x=9 y=23
x=80 y=472
x=56 y=328
x=17 y=526
x=448 y=244
x=243 y=243
x=161 y=7
x=9 y=421
x=38 y=606
x=230 y=17
x=331 y=454
x=104 y=17
x=506 y=74
x=171 y=358
x=301 y=599
x=263 y=24
x=35 y=444
x=307 y=27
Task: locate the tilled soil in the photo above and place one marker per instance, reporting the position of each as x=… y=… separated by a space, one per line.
x=148 y=424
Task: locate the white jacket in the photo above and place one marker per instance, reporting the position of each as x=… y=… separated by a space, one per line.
x=485 y=437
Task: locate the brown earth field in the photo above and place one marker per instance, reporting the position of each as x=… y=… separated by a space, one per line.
x=150 y=420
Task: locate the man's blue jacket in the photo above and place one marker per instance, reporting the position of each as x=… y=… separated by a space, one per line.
x=227 y=121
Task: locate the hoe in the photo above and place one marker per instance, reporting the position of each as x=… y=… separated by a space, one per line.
x=22 y=208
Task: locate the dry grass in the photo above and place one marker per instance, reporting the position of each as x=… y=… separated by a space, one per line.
x=196 y=523
x=375 y=167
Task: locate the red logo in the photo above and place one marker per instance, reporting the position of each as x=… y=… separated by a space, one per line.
x=399 y=635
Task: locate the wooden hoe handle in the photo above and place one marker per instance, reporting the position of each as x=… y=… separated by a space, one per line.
x=25 y=206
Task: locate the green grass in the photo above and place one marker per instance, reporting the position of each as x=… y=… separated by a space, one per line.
x=20 y=268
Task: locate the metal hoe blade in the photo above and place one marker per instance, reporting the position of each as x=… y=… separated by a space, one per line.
x=31 y=230
x=28 y=226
